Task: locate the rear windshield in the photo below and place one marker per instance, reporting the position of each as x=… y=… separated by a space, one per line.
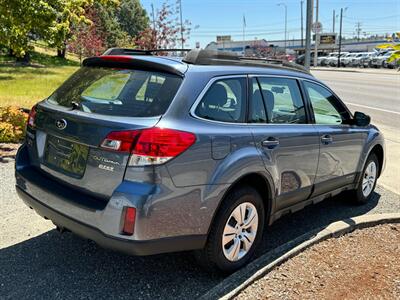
x=118 y=92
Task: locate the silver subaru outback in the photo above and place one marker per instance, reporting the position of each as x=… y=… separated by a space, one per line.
x=148 y=154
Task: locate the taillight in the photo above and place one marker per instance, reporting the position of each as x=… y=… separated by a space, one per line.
x=152 y=146
x=129 y=214
x=32 y=117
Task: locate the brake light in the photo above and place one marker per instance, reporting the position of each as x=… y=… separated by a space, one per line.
x=32 y=117
x=129 y=220
x=117 y=58
x=152 y=146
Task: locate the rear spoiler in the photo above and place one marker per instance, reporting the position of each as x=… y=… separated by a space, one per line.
x=129 y=51
x=132 y=62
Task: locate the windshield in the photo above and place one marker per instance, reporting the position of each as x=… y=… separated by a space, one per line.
x=118 y=92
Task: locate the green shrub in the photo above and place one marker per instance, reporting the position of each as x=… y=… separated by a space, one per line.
x=12 y=124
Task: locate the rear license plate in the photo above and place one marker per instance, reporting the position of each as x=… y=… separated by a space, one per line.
x=65 y=156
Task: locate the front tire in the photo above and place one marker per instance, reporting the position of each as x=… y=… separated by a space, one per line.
x=367 y=183
x=236 y=232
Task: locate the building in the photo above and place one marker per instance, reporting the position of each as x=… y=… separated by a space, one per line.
x=263 y=48
x=250 y=47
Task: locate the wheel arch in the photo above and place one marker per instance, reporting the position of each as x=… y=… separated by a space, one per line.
x=379 y=152
x=258 y=181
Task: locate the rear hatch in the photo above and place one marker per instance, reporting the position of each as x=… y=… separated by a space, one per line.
x=68 y=129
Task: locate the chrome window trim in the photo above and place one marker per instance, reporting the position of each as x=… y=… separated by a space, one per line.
x=252 y=75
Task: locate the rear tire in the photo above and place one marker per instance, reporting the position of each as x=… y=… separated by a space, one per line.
x=231 y=243
x=367 y=182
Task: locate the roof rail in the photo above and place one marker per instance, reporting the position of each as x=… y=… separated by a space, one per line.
x=216 y=57
x=129 y=51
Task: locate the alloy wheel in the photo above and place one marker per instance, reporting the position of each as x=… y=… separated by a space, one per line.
x=369 y=178
x=240 y=231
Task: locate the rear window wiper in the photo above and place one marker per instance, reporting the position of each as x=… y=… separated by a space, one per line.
x=75 y=105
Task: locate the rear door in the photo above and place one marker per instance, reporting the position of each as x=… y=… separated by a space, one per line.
x=289 y=146
x=70 y=126
x=341 y=143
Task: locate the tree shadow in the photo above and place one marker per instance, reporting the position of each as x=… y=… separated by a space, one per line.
x=7 y=77
x=65 y=266
x=22 y=70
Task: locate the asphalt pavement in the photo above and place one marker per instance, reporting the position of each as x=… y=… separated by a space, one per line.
x=378 y=95
x=38 y=262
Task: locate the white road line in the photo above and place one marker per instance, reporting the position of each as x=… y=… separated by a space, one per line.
x=374 y=108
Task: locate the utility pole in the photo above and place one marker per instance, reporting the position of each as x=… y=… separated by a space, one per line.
x=284 y=5
x=244 y=35
x=154 y=27
x=180 y=12
x=301 y=6
x=308 y=34
x=358 y=30
x=333 y=22
x=316 y=36
x=340 y=35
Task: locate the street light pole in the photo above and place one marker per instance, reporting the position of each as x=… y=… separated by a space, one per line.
x=283 y=4
x=340 y=36
x=308 y=34
x=316 y=36
x=301 y=6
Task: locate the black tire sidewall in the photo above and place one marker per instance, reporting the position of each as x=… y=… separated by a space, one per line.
x=360 y=196
x=235 y=198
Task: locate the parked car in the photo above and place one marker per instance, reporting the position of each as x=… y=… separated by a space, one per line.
x=347 y=59
x=380 y=61
x=324 y=60
x=393 y=64
x=300 y=59
x=365 y=59
x=333 y=61
x=356 y=61
x=145 y=154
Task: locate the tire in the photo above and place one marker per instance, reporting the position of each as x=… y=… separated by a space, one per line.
x=364 y=191
x=213 y=257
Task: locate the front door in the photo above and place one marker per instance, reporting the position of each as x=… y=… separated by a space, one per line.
x=288 y=144
x=341 y=143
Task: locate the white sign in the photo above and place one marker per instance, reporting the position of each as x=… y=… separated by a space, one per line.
x=316 y=27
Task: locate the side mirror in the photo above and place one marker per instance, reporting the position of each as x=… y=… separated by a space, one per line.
x=361 y=119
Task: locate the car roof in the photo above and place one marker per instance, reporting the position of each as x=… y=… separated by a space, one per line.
x=215 y=63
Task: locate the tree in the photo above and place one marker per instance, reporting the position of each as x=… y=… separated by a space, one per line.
x=165 y=32
x=70 y=14
x=132 y=17
x=88 y=39
x=21 y=21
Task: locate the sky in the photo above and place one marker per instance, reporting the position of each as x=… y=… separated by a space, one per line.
x=265 y=19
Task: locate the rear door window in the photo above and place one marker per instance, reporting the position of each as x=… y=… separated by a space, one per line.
x=283 y=100
x=224 y=101
x=118 y=92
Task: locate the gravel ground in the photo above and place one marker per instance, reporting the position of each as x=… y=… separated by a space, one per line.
x=38 y=262
x=361 y=265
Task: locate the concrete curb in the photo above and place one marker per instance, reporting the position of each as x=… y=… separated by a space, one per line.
x=335 y=69
x=235 y=283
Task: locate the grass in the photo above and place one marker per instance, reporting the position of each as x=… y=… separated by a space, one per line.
x=25 y=85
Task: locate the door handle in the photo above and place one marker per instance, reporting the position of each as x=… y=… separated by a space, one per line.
x=270 y=143
x=326 y=139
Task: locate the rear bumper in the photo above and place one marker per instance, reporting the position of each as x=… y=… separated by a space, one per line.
x=131 y=247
